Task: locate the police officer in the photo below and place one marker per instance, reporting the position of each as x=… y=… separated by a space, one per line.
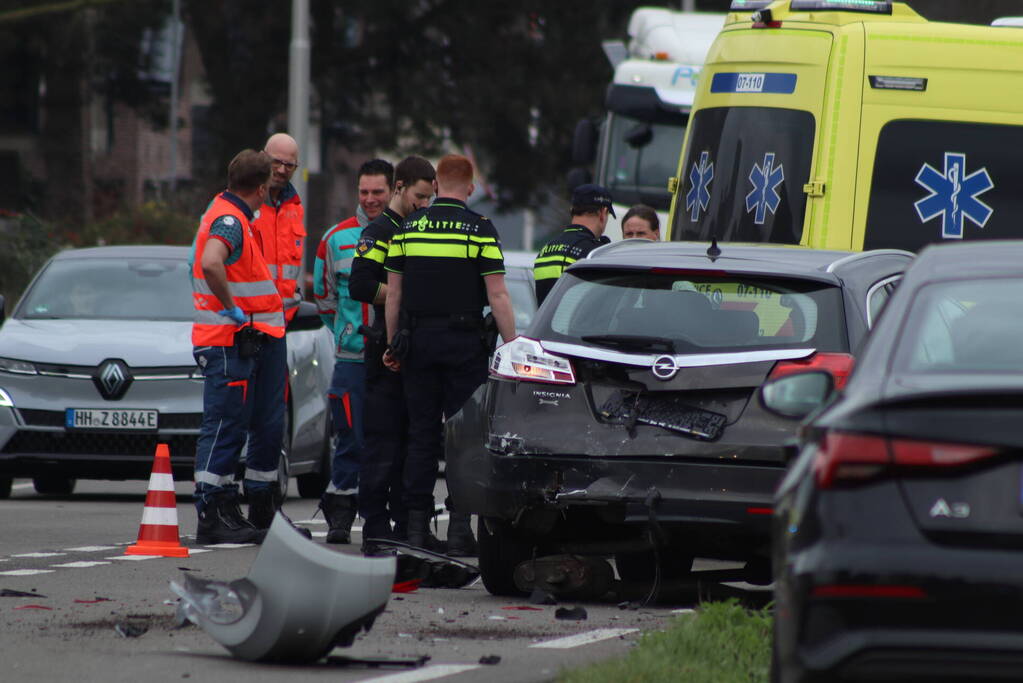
x=344 y=315
x=591 y=205
x=385 y=424
x=280 y=230
x=444 y=266
x=237 y=307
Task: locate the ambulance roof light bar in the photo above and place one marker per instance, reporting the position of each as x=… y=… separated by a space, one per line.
x=748 y=5
x=871 y=6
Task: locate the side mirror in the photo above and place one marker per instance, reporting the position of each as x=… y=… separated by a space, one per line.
x=578 y=176
x=640 y=135
x=584 y=143
x=796 y=396
x=307 y=318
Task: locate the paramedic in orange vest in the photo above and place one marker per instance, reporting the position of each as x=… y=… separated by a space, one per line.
x=280 y=232
x=238 y=310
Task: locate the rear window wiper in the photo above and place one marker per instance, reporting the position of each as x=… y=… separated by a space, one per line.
x=631 y=341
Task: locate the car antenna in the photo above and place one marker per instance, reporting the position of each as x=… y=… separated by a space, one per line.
x=713 y=251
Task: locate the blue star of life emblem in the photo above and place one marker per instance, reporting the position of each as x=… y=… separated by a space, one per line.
x=764 y=197
x=953 y=195
x=700 y=176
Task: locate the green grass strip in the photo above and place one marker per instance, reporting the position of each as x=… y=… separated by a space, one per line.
x=719 y=643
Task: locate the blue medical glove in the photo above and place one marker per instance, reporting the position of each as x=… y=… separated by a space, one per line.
x=236 y=314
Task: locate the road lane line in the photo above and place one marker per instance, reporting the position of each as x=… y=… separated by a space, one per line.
x=132 y=558
x=81 y=563
x=90 y=548
x=427 y=673
x=26 y=572
x=38 y=555
x=585 y=638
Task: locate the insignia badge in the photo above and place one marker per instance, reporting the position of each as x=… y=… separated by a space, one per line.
x=664 y=367
x=764 y=197
x=228 y=220
x=364 y=245
x=698 y=197
x=954 y=195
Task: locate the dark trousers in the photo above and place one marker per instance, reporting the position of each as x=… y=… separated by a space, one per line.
x=385 y=440
x=443 y=368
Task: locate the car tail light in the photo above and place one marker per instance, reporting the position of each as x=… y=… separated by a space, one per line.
x=525 y=359
x=843 y=457
x=839 y=365
x=847 y=590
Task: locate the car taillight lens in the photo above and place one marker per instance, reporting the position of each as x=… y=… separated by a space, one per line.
x=838 y=365
x=525 y=359
x=846 y=458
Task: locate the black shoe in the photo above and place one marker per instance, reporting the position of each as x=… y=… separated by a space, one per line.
x=264 y=504
x=376 y=529
x=339 y=511
x=461 y=542
x=221 y=521
x=419 y=532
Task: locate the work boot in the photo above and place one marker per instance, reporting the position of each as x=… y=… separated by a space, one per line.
x=376 y=528
x=461 y=542
x=264 y=503
x=221 y=521
x=419 y=531
x=339 y=511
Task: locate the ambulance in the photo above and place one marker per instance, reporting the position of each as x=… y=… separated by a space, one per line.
x=853 y=124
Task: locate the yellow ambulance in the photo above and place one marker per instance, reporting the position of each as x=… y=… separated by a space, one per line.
x=853 y=124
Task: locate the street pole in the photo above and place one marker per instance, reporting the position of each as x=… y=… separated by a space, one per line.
x=688 y=5
x=298 y=91
x=175 y=77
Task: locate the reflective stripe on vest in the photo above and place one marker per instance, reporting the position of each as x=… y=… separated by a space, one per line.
x=247 y=278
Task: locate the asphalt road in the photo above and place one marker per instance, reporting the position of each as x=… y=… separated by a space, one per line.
x=71 y=550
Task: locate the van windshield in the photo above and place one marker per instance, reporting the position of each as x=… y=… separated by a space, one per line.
x=641 y=156
x=743 y=177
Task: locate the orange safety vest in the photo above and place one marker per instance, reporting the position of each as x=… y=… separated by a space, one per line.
x=282 y=234
x=248 y=279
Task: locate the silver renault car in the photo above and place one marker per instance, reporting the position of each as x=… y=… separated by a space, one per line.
x=96 y=368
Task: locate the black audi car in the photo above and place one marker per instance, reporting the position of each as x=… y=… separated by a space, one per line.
x=623 y=422
x=899 y=527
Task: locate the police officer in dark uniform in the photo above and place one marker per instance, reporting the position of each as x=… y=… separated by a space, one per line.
x=385 y=422
x=591 y=205
x=443 y=267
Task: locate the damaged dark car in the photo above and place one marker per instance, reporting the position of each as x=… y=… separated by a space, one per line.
x=623 y=423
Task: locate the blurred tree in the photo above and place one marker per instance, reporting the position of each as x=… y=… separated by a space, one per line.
x=244 y=50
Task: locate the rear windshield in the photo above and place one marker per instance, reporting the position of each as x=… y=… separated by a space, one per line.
x=122 y=289
x=966 y=326
x=743 y=176
x=694 y=312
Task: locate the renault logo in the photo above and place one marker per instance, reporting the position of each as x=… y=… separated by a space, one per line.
x=664 y=368
x=112 y=379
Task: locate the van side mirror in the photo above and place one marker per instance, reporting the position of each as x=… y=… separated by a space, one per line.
x=578 y=176
x=307 y=318
x=584 y=143
x=796 y=396
x=640 y=135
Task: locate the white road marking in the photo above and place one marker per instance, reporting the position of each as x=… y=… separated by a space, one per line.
x=81 y=563
x=684 y=610
x=427 y=673
x=229 y=546
x=90 y=548
x=132 y=558
x=26 y=572
x=585 y=638
x=195 y=551
x=39 y=555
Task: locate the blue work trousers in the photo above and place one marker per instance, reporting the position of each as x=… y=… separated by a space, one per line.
x=242 y=398
x=347 y=398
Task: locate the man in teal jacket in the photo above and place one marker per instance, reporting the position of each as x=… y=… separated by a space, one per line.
x=344 y=315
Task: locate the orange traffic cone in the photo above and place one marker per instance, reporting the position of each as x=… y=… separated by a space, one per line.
x=158 y=533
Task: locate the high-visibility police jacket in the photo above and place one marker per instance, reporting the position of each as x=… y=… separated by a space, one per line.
x=331 y=271
x=282 y=236
x=248 y=278
x=574 y=243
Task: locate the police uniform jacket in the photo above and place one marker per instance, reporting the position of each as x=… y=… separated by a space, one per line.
x=574 y=243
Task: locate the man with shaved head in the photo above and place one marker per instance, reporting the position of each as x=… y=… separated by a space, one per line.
x=280 y=232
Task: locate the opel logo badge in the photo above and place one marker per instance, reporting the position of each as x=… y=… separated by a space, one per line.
x=664 y=368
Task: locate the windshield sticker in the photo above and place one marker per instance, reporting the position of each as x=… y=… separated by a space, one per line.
x=777 y=84
x=953 y=195
x=764 y=197
x=698 y=196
